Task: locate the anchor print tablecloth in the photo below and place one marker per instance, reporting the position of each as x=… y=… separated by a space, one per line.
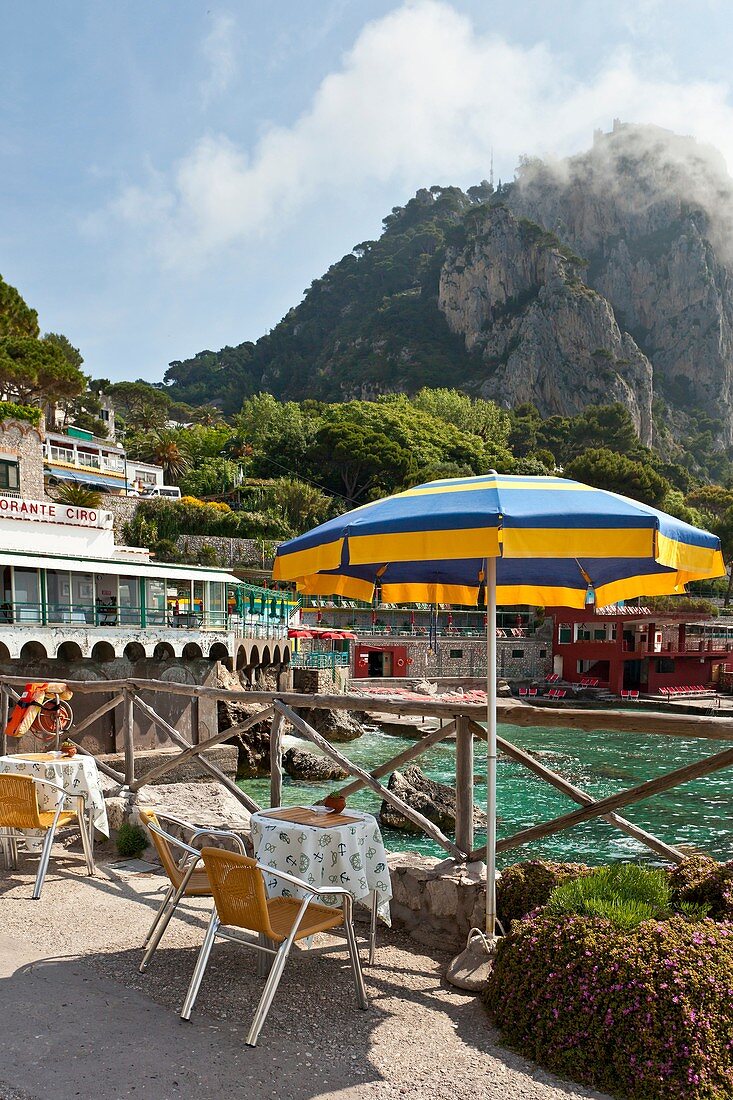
x=351 y=856
x=78 y=775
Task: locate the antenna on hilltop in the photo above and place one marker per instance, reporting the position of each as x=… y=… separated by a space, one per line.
x=491 y=170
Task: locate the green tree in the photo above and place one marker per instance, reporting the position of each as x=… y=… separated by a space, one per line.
x=167 y=449
x=36 y=372
x=301 y=505
x=608 y=470
x=16 y=318
x=140 y=406
x=209 y=477
x=470 y=414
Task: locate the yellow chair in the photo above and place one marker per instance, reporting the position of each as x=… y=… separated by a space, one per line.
x=240 y=901
x=187 y=877
x=19 y=811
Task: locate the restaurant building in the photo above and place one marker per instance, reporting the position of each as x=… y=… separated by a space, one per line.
x=631 y=648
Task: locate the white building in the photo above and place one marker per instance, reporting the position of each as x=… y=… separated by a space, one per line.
x=76 y=456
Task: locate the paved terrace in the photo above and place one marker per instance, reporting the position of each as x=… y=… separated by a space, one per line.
x=80 y=1021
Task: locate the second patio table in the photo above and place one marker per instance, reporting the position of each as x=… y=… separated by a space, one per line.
x=350 y=855
x=78 y=775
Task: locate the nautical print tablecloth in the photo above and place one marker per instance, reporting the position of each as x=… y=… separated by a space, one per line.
x=351 y=856
x=78 y=775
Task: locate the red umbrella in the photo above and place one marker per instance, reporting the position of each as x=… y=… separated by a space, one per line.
x=299 y=632
x=336 y=635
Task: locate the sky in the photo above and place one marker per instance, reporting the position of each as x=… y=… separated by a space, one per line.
x=174 y=174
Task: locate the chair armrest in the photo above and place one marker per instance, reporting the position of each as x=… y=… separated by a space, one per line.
x=300 y=883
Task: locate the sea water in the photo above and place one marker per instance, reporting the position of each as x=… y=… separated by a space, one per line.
x=696 y=816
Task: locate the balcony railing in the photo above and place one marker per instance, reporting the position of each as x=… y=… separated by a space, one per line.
x=135 y=617
x=320 y=660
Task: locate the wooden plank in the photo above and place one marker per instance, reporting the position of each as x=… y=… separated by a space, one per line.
x=616 y=801
x=241 y=796
x=464 y=785
x=354 y=769
x=561 y=784
x=410 y=753
x=276 y=760
x=195 y=750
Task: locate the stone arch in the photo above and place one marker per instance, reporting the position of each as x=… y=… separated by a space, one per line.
x=163 y=651
x=266 y=659
x=276 y=658
x=191 y=651
x=4 y=652
x=134 y=651
x=241 y=658
x=103 y=651
x=69 y=651
x=286 y=655
x=218 y=652
x=254 y=657
x=33 y=651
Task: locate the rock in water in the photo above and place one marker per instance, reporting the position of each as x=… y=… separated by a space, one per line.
x=300 y=764
x=435 y=801
x=334 y=725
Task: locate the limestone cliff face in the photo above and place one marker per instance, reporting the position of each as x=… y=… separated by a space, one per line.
x=652 y=213
x=515 y=294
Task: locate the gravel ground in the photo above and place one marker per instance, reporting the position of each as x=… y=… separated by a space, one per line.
x=420 y=1039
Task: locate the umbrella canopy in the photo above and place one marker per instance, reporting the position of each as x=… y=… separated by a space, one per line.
x=336 y=635
x=500 y=539
x=300 y=632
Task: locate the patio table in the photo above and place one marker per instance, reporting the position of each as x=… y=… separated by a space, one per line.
x=78 y=775
x=350 y=855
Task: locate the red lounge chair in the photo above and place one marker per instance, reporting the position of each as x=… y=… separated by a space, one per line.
x=533 y=691
x=625 y=694
x=523 y=691
x=634 y=695
x=560 y=693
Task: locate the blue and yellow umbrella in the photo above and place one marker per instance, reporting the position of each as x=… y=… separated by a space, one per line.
x=500 y=539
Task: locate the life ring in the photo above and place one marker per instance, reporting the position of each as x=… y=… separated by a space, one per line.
x=400 y=663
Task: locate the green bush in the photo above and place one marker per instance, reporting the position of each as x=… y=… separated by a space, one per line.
x=645 y=1014
x=699 y=880
x=132 y=840
x=525 y=886
x=624 y=893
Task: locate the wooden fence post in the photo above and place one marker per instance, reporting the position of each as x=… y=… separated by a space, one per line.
x=464 y=785
x=4 y=709
x=128 y=729
x=276 y=760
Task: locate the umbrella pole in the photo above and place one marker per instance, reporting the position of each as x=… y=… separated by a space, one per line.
x=491 y=747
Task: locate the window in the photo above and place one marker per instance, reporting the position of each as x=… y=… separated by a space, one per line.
x=565 y=634
x=517 y=653
x=543 y=653
x=9 y=474
x=665 y=664
x=456 y=654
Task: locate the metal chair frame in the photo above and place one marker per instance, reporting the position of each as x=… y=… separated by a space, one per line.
x=189 y=861
x=9 y=837
x=280 y=955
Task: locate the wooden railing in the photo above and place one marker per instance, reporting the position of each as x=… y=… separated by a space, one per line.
x=462 y=720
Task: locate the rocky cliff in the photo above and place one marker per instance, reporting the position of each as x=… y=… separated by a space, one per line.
x=652 y=214
x=515 y=294
x=604 y=277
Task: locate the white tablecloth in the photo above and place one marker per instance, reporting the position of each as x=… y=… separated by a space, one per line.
x=351 y=856
x=78 y=775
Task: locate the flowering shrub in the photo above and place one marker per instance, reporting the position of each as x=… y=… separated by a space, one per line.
x=644 y=1013
x=701 y=881
x=524 y=886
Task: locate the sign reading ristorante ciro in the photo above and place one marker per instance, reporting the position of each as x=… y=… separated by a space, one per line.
x=45 y=511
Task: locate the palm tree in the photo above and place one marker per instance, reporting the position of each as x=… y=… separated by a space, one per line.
x=78 y=496
x=166 y=449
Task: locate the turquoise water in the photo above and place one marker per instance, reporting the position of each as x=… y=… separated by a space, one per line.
x=697 y=815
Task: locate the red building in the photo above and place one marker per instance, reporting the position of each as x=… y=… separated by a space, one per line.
x=630 y=648
x=381 y=660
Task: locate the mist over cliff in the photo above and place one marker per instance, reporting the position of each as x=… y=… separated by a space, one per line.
x=603 y=277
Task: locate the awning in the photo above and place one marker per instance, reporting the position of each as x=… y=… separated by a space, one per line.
x=118 y=566
x=96 y=480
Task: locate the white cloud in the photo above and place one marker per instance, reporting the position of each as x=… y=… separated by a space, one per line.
x=219 y=50
x=421 y=98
